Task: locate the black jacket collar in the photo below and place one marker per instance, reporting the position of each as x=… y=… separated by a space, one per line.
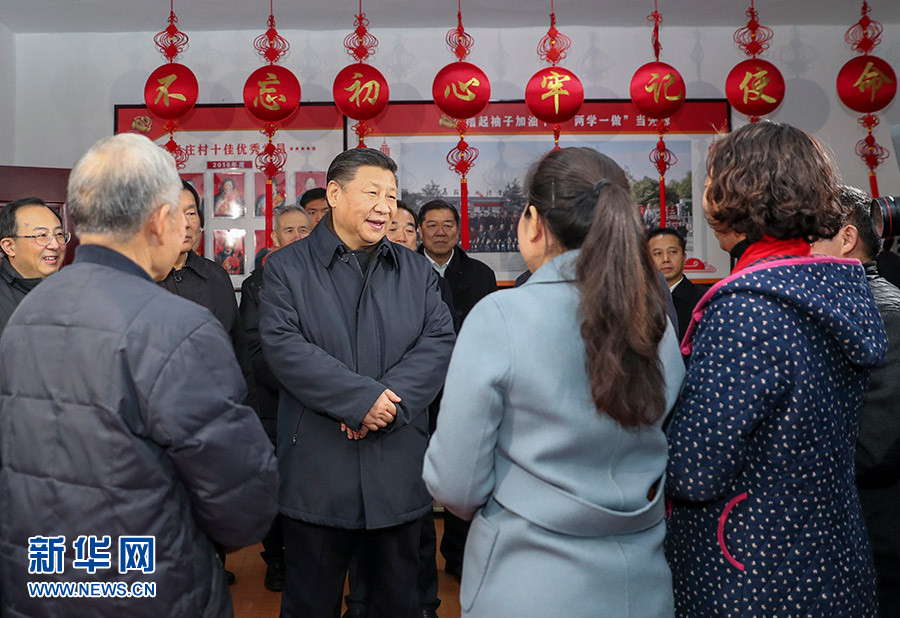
x=326 y=245
x=14 y=279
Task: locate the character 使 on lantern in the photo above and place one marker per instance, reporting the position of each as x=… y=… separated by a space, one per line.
x=755 y=87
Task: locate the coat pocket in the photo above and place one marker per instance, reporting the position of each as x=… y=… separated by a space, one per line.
x=479 y=547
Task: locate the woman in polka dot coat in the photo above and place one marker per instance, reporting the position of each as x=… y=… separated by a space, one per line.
x=765 y=519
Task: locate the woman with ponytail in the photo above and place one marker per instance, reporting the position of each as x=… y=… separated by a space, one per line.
x=549 y=433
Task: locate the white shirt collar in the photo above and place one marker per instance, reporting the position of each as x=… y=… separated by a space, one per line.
x=440 y=269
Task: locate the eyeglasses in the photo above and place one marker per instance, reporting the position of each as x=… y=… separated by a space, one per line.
x=43 y=239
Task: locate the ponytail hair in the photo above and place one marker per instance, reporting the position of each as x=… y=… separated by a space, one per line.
x=582 y=196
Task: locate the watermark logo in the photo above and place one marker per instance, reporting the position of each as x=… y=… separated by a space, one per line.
x=45 y=554
x=137 y=553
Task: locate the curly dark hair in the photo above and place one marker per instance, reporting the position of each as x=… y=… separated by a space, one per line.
x=770 y=179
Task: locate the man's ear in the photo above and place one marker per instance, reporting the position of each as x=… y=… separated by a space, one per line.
x=156 y=224
x=9 y=247
x=849 y=239
x=332 y=191
x=274 y=239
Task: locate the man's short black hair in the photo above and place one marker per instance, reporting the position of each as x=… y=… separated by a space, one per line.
x=190 y=187
x=401 y=205
x=9 y=227
x=343 y=169
x=671 y=231
x=856 y=210
x=311 y=195
x=437 y=205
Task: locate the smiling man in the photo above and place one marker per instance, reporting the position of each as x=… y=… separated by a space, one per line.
x=33 y=241
x=354 y=329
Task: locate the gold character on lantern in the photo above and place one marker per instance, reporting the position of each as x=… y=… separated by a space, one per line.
x=162 y=91
x=871 y=78
x=656 y=84
x=464 y=93
x=754 y=84
x=266 y=97
x=371 y=88
x=554 y=85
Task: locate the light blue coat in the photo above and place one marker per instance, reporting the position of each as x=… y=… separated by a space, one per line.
x=562 y=524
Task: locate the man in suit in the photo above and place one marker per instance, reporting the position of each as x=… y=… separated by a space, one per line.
x=470 y=280
x=667 y=247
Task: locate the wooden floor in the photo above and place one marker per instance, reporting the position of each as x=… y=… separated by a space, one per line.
x=252 y=600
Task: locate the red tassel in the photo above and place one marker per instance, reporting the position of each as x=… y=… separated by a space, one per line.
x=662 y=201
x=269 y=199
x=873 y=184
x=464 y=212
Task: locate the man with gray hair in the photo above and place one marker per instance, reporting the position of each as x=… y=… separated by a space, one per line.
x=126 y=452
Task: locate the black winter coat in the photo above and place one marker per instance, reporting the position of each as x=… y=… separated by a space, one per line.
x=878 y=451
x=264 y=380
x=336 y=338
x=470 y=280
x=121 y=415
x=13 y=289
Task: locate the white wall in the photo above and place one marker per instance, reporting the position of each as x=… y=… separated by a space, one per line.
x=67 y=84
x=7 y=96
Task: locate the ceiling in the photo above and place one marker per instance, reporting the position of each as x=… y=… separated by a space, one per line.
x=35 y=16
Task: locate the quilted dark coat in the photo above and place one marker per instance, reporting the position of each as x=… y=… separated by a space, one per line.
x=766 y=519
x=122 y=415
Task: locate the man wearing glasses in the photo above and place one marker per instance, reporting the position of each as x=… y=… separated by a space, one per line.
x=34 y=243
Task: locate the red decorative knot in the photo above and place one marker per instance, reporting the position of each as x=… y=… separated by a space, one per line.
x=872 y=153
x=360 y=43
x=178 y=153
x=460 y=41
x=862 y=37
x=662 y=157
x=361 y=129
x=657 y=18
x=462 y=157
x=271 y=45
x=754 y=38
x=171 y=41
x=552 y=47
x=270 y=161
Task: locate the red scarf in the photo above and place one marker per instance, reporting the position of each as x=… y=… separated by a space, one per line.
x=769 y=247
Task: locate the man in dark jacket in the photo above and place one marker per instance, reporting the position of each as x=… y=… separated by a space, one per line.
x=470 y=280
x=291 y=223
x=355 y=331
x=668 y=250
x=126 y=451
x=878 y=442
x=33 y=246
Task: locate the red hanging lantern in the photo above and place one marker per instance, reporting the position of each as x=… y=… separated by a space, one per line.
x=754 y=87
x=360 y=91
x=657 y=91
x=271 y=94
x=554 y=94
x=461 y=90
x=867 y=84
x=172 y=90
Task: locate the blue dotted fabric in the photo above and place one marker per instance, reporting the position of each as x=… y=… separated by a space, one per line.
x=764 y=516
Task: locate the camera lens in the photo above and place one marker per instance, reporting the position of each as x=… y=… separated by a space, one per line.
x=886 y=216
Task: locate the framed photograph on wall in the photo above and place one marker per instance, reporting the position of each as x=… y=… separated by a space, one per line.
x=222 y=142
x=509 y=139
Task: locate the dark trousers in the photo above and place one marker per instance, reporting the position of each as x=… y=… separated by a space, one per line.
x=317 y=559
x=427 y=579
x=273 y=543
x=453 y=543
